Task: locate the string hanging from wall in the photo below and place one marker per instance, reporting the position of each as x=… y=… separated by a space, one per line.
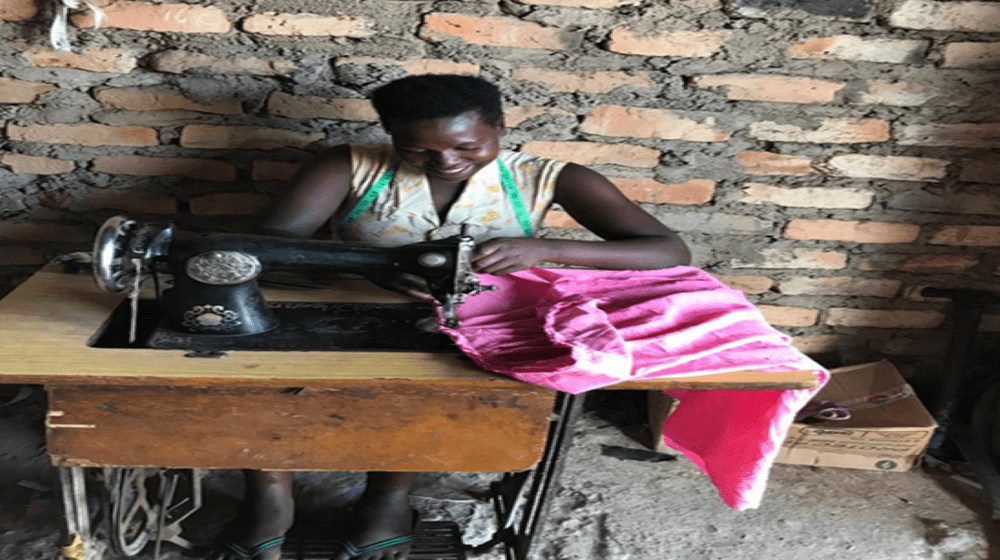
x=58 y=33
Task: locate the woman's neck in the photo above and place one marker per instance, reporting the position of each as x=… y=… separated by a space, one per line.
x=444 y=194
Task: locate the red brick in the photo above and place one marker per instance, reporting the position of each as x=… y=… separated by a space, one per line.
x=968 y=236
x=592 y=4
x=20 y=91
x=414 y=67
x=852 y=231
x=245 y=137
x=693 y=44
x=817 y=344
x=981 y=171
x=898 y=168
x=308 y=25
x=495 y=31
x=205 y=169
x=661 y=124
x=767 y=163
x=229 y=204
x=967 y=135
x=850 y=47
x=595 y=153
x=130 y=201
x=885 y=319
x=590 y=82
x=560 y=219
x=914 y=292
x=781 y=316
x=949 y=202
x=35 y=165
x=303 y=107
x=84 y=134
x=110 y=61
x=878 y=261
x=18 y=10
x=695 y=191
x=143 y=16
x=807 y=197
x=178 y=62
x=972 y=55
x=928 y=263
x=794 y=258
x=273 y=170
x=829 y=131
x=912 y=94
x=947 y=16
x=939 y=263
x=839 y=286
x=514 y=116
x=761 y=87
x=161 y=99
x=747 y=284
x=43 y=231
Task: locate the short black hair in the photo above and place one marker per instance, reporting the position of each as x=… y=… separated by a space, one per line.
x=435 y=96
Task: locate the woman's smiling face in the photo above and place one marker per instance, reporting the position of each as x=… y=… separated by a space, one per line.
x=449 y=149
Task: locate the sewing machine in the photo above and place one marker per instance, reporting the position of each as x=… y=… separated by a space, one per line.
x=215 y=302
x=368 y=409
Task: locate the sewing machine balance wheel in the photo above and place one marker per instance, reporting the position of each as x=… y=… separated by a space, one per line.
x=131 y=514
x=123 y=247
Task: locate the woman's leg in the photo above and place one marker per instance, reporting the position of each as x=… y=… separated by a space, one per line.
x=267 y=512
x=382 y=514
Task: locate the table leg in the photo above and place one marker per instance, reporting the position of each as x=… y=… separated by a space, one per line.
x=522 y=500
x=83 y=543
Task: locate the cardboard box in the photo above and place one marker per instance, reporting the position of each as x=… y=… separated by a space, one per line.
x=889 y=428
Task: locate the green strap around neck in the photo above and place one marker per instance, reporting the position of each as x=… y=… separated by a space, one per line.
x=506 y=179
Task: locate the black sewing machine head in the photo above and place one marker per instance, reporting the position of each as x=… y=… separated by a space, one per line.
x=215 y=289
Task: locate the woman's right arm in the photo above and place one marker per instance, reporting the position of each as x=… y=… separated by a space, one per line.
x=317 y=191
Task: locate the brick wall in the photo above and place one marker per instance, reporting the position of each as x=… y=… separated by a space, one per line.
x=830 y=160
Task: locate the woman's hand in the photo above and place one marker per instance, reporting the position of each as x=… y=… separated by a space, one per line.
x=406 y=284
x=504 y=255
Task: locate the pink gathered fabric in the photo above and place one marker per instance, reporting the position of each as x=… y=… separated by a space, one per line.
x=575 y=330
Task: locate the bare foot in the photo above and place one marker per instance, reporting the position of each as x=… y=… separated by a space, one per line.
x=382 y=528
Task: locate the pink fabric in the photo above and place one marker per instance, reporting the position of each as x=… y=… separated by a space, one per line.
x=576 y=330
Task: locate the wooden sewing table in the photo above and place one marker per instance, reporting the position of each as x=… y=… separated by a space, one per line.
x=311 y=411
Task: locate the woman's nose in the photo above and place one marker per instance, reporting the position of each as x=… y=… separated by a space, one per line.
x=447 y=158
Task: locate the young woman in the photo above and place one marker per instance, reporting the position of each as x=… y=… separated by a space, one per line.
x=444 y=171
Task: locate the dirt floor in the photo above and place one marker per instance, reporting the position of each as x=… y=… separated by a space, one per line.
x=615 y=501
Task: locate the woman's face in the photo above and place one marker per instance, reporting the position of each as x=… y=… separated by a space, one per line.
x=449 y=149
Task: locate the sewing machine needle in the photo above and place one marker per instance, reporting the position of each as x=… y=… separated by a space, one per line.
x=134 y=300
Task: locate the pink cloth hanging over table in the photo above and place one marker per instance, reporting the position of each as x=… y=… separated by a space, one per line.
x=575 y=330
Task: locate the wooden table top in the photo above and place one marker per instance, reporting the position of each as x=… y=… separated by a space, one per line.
x=47 y=322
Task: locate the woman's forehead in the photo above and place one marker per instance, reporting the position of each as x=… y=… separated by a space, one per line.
x=467 y=127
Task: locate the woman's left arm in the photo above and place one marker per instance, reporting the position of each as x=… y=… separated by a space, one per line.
x=633 y=239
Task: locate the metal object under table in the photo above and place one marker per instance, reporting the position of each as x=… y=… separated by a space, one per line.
x=144 y=423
